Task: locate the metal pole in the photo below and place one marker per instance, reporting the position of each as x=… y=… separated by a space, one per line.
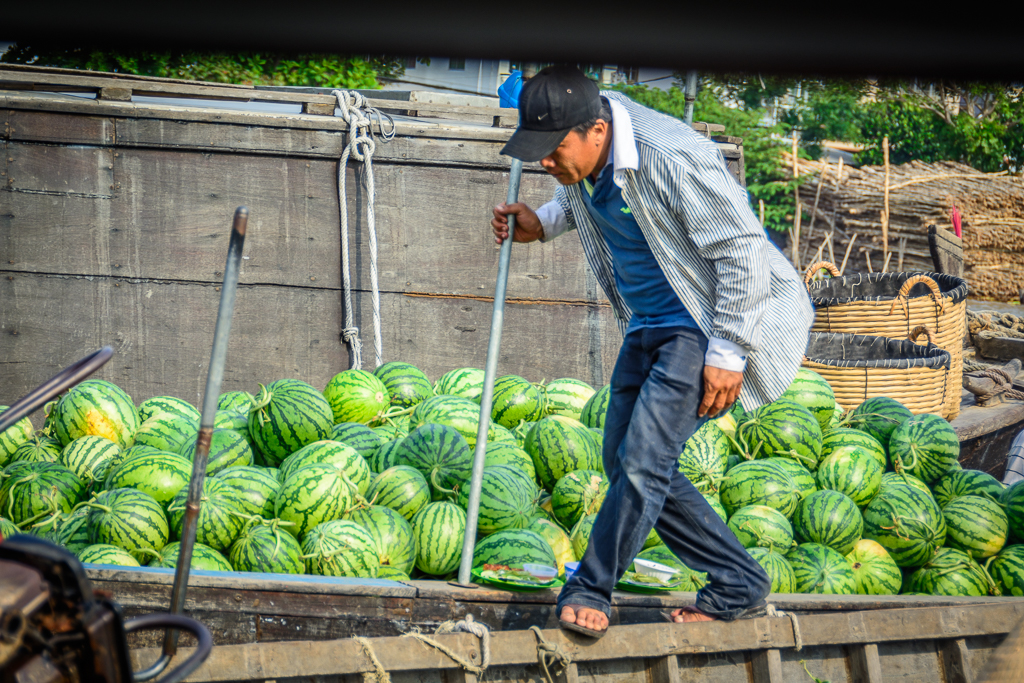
x=493 y=346
x=195 y=486
x=691 y=96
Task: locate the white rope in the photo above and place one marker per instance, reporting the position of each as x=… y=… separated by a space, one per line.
x=797 y=638
x=361 y=146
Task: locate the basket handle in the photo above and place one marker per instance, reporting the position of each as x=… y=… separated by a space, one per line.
x=909 y=285
x=815 y=267
x=918 y=331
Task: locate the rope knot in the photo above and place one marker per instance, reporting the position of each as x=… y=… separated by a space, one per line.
x=550 y=656
x=467 y=625
x=798 y=639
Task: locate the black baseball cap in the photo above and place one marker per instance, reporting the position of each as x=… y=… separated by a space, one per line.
x=550 y=105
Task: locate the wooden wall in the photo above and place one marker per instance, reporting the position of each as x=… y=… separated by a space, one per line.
x=113 y=230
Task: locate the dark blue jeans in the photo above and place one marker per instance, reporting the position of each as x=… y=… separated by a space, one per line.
x=656 y=390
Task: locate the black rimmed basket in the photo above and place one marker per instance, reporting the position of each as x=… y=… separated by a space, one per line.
x=859 y=367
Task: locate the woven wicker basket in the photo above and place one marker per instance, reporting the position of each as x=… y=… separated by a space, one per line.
x=892 y=305
x=860 y=367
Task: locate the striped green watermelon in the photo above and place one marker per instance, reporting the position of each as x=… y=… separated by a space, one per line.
x=813 y=392
x=168 y=405
x=508 y=499
x=556 y=538
x=441 y=454
x=386 y=455
x=13 y=437
x=129 y=519
x=340 y=548
x=803 y=481
x=976 y=525
x=400 y=488
x=879 y=417
x=8 y=528
x=392 y=536
x=239 y=422
x=67 y=529
x=874 y=571
x=204 y=558
x=287 y=415
x=392 y=574
x=950 y=572
x=578 y=493
x=357 y=396
x=1012 y=500
x=235 y=401
x=38 y=448
x=559 y=445
x=891 y=479
x=704 y=456
x=777 y=567
x=254 y=487
x=38 y=491
x=161 y=474
x=167 y=432
x=221 y=515
x=759 y=482
x=439 y=529
x=499 y=434
x=829 y=518
x=328 y=452
x=515 y=399
x=854 y=472
x=501 y=453
x=716 y=505
x=925 y=446
x=783 y=428
x=820 y=569
x=357 y=436
x=460 y=413
x=462 y=382
x=11 y=474
x=106 y=554
x=514 y=548
x=228 y=448
x=89 y=457
x=406 y=384
x=598 y=435
x=392 y=428
x=843 y=438
x=906 y=521
x=1007 y=569
x=762 y=526
x=957 y=483
x=596 y=408
x=567 y=396
x=312 y=495
x=95 y=407
x=580 y=534
x=265 y=548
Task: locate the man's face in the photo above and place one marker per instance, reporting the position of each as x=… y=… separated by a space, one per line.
x=577 y=156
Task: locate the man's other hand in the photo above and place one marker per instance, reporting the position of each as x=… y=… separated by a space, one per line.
x=528 y=226
x=721 y=389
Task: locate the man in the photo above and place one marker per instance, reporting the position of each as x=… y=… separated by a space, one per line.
x=709 y=312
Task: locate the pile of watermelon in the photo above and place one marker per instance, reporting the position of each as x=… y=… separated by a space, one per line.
x=369 y=478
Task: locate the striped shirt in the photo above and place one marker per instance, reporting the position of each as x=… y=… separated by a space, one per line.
x=705 y=237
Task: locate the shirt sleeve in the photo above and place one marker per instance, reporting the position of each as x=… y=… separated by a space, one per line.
x=552 y=218
x=725 y=355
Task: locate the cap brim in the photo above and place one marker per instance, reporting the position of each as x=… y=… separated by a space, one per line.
x=533 y=145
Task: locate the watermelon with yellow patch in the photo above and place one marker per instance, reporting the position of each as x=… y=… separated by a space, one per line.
x=95 y=407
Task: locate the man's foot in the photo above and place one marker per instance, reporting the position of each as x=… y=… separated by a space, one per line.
x=686 y=615
x=592 y=622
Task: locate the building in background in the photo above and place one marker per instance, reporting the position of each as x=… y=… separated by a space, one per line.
x=453 y=75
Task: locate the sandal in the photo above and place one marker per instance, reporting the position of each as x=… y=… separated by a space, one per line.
x=572 y=626
x=750 y=613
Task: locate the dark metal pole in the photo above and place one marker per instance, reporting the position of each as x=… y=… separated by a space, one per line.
x=691 y=96
x=195 y=485
x=493 y=346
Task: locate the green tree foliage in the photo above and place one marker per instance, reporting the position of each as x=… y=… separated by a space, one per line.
x=249 y=68
x=766 y=177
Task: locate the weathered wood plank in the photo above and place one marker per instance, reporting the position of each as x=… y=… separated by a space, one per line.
x=864 y=664
x=664 y=669
x=955 y=663
x=46 y=169
x=766 y=667
x=161 y=332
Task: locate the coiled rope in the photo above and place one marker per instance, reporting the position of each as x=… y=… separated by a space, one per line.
x=798 y=639
x=467 y=625
x=550 y=656
x=1003 y=381
x=361 y=146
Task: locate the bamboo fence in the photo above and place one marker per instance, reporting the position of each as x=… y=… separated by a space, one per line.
x=851 y=207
